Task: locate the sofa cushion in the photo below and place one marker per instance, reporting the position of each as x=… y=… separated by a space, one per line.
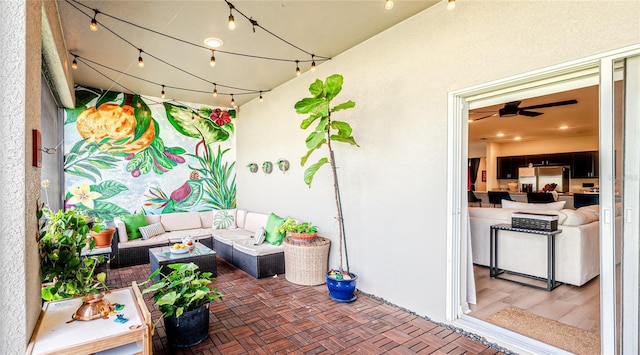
x=248 y=247
x=578 y=218
x=259 y=236
x=180 y=221
x=486 y=212
x=206 y=219
x=196 y=234
x=152 y=218
x=272 y=235
x=240 y=218
x=593 y=209
x=132 y=222
x=159 y=240
x=253 y=221
x=151 y=230
x=534 y=206
x=228 y=236
x=224 y=219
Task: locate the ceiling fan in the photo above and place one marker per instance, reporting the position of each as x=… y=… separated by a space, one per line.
x=513 y=108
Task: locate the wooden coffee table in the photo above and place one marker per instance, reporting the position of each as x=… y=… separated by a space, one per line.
x=200 y=255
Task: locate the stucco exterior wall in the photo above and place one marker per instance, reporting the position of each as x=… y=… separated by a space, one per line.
x=20 y=62
x=394 y=185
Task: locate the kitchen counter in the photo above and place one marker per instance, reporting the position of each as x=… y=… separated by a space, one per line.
x=522 y=197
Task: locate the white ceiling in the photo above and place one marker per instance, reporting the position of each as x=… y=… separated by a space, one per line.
x=324 y=28
x=581 y=119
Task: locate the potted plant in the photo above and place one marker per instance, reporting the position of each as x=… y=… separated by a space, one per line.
x=301 y=232
x=64 y=272
x=101 y=233
x=341 y=282
x=183 y=297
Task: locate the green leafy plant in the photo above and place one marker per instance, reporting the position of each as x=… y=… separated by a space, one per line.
x=217 y=178
x=183 y=289
x=63 y=270
x=290 y=226
x=326 y=131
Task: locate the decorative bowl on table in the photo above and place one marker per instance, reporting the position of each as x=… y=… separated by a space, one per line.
x=179 y=248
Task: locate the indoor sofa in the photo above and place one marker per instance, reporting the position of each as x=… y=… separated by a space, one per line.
x=577 y=248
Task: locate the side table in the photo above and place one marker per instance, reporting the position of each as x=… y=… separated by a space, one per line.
x=495 y=271
x=305 y=263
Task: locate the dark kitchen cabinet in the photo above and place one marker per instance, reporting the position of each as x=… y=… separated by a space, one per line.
x=557 y=159
x=585 y=165
x=507 y=167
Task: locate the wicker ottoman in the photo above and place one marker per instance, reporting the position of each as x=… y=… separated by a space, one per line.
x=305 y=263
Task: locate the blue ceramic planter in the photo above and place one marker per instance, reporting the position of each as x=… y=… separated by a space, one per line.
x=342 y=290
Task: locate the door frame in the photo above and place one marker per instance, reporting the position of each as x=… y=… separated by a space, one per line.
x=578 y=72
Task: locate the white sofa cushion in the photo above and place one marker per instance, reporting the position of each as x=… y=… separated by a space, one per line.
x=533 y=206
x=577 y=217
x=228 y=236
x=248 y=247
x=158 y=240
x=504 y=214
x=240 y=217
x=196 y=234
x=206 y=219
x=152 y=218
x=180 y=221
x=253 y=221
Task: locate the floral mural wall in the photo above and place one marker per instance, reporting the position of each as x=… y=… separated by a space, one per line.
x=125 y=153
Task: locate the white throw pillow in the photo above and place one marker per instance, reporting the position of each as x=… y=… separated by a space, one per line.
x=259 y=236
x=151 y=230
x=224 y=219
x=593 y=209
x=578 y=218
x=555 y=206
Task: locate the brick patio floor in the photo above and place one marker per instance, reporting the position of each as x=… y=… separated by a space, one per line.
x=274 y=316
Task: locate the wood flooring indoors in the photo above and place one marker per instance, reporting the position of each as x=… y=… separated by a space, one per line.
x=576 y=306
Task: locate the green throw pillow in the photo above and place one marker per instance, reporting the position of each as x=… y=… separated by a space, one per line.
x=272 y=236
x=132 y=222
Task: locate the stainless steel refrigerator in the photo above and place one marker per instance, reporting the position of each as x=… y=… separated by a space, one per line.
x=534 y=178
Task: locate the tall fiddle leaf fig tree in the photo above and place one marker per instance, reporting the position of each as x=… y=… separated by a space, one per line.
x=326 y=132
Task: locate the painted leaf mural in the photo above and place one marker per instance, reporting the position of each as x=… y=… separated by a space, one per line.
x=117 y=161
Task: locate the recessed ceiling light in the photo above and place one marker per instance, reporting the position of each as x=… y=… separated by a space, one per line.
x=500 y=135
x=564 y=127
x=213 y=42
x=517 y=138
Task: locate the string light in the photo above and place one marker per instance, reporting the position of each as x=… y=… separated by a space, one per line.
x=254 y=23
x=451 y=4
x=94 y=24
x=297 y=68
x=232 y=21
x=162 y=93
x=261 y=99
x=212 y=62
x=215 y=90
x=233 y=102
x=140 y=61
x=74 y=64
x=313 y=63
x=388 y=4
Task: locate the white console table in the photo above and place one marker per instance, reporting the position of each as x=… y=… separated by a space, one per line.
x=54 y=334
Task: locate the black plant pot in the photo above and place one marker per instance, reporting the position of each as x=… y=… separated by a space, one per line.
x=189 y=329
x=342 y=290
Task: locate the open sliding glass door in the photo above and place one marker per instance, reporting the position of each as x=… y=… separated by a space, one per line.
x=619 y=202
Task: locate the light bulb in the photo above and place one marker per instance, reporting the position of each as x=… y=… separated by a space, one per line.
x=451 y=4
x=297 y=68
x=74 y=64
x=232 y=22
x=313 y=63
x=233 y=102
x=212 y=62
x=215 y=91
x=162 y=94
x=94 y=25
x=261 y=99
x=140 y=61
x=388 y=4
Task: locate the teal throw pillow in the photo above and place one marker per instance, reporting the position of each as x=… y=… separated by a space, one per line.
x=132 y=222
x=272 y=235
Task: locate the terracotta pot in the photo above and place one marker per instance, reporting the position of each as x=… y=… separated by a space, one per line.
x=303 y=237
x=103 y=238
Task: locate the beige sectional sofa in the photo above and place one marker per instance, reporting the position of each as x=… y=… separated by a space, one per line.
x=236 y=245
x=577 y=257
